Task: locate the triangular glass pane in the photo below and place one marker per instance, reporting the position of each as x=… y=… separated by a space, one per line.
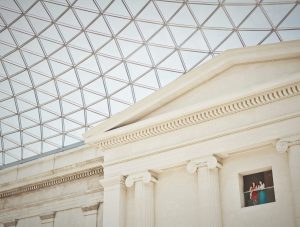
x=117 y=8
x=23 y=77
x=62 y=55
x=31 y=59
x=4 y=49
x=38 y=78
x=172 y=62
x=183 y=17
x=141 y=92
x=148 y=29
x=19 y=88
x=39 y=25
x=68 y=33
x=159 y=53
x=93 y=118
x=256 y=20
x=13 y=154
x=78 y=55
x=128 y=47
x=196 y=42
x=117 y=24
x=6 y=37
x=163 y=38
x=36 y=147
x=9 y=159
x=78 y=133
x=251 y=38
x=52 y=33
x=81 y=41
x=4 y=112
x=50 y=47
x=90 y=64
x=290 y=35
x=238 y=13
x=47 y=132
x=9 y=16
x=218 y=19
x=38 y=10
x=107 y=63
x=56 y=141
x=215 y=37
x=150 y=13
x=119 y=72
x=149 y=79
x=26 y=4
x=168 y=8
x=6 y=129
x=22 y=24
x=110 y=49
x=34 y=46
x=68 y=107
x=70 y=140
x=21 y=37
x=125 y=94
x=141 y=56
x=97 y=40
x=293 y=19
x=9 y=105
x=202 y=11
x=48 y=88
x=12 y=69
x=26 y=123
x=130 y=32
x=24 y=106
x=135 y=5
x=192 y=58
x=48 y=147
x=91 y=98
x=85 y=17
x=59 y=68
x=101 y=107
x=28 y=153
x=55 y=9
x=47 y=116
x=117 y=107
x=271 y=39
x=180 y=34
x=232 y=42
x=29 y=97
x=86 y=77
x=136 y=71
x=96 y=86
x=166 y=77
x=86 y=4
x=12 y=121
x=78 y=117
x=16 y=58
x=277 y=12
x=69 y=77
x=99 y=26
x=75 y=97
x=113 y=85
x=56 y=124
x=44 y=98
x=43 y=67
x=70 y=125
x=64 y=88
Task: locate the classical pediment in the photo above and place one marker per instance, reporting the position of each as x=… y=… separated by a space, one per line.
x=232 y=76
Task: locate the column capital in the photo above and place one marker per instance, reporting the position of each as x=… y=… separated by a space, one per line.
x=211 y=162
x=47 y=218
x=284 y=144
x=90 y=209
x=11 y=223
x=145 y=176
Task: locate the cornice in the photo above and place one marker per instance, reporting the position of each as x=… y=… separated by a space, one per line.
x=201 y=116
x=51 y=182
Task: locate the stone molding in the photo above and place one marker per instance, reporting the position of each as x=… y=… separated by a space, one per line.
x=112 y=182
x=90 y=210
x=283 y=145
x=212 y=113
x=47 y=218
x=52 y=182
x=146 y=177
x=11 y=223
x=210 y=162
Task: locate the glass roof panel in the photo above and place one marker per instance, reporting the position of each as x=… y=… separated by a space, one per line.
x=66 y=66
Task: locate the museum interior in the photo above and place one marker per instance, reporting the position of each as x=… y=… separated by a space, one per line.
x=149 y=113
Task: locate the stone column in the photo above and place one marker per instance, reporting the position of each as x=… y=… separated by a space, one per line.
x=143 y=197
x=291 y=145
x=208 y=190
x=47 y=220
x=10 y=223
x=90 y=215
x=114 y=202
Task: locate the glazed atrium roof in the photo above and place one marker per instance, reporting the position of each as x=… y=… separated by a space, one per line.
x=67 y=65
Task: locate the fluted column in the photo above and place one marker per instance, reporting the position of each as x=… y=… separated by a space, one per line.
x=114 y=202
x=208 y=190
x=90 y=215
x=10 y=223
x=47 y=220
x=291 y=145
x=143 y=197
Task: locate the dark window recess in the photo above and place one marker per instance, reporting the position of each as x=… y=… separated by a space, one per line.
x=258 y=188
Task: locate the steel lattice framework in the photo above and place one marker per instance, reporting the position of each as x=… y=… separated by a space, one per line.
x=67 y=65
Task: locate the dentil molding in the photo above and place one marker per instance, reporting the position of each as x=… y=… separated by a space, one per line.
x=218 y=111
x=51 y=182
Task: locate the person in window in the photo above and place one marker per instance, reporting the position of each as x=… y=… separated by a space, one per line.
x=253 y=193
x=262 y=193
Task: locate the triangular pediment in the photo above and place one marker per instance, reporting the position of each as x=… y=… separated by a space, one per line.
x=233 y=74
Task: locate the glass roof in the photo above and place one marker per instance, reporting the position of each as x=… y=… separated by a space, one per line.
x=67 y=65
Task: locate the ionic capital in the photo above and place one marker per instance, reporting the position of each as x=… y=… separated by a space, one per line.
x=210 y=162
x=145 y=176
x=111 y=182
x=283 y=145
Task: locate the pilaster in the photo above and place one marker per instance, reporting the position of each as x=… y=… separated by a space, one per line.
x=208 y=190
